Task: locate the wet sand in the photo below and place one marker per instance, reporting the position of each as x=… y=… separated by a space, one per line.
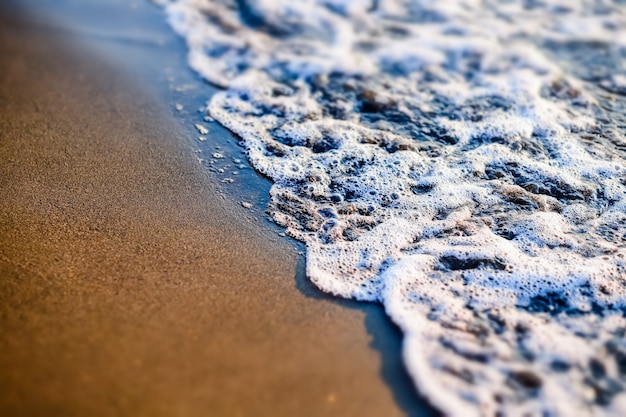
x=130 y=285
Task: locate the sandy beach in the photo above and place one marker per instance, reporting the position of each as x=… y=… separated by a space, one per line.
x=130 y=283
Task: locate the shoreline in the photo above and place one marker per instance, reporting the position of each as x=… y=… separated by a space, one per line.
x=131 y=282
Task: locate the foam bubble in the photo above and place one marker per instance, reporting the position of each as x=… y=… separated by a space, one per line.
x=457 y=163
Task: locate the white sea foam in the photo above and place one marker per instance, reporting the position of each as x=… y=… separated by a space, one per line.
x=455 y=162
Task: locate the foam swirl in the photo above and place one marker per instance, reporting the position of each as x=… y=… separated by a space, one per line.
x=450 y=160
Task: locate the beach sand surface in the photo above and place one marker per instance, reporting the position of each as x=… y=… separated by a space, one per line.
x=130 y=284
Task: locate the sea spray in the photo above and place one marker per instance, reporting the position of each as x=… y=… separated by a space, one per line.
x=461 y=162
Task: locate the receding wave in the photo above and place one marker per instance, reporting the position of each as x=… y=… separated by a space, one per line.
x=461 y=162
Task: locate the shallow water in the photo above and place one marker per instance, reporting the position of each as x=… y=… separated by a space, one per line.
x=461 y=162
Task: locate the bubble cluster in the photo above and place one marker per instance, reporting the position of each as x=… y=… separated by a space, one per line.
x=462 y=163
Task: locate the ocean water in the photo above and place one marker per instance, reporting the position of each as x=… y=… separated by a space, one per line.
x=461 y=162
